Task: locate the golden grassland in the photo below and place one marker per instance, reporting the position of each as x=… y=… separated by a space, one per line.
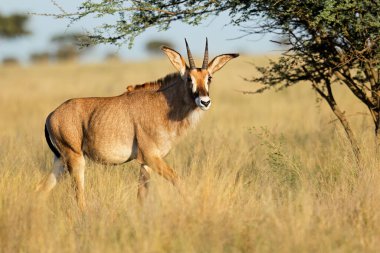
x=262 y=173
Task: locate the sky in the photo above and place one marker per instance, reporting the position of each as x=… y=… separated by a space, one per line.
x=220 y=34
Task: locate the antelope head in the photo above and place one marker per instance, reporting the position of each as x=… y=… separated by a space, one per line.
x=198 y=80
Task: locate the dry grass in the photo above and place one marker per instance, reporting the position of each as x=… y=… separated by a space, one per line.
x=265 y=173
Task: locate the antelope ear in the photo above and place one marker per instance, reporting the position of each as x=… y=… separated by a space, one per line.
x=176 y=59
x=219 y=61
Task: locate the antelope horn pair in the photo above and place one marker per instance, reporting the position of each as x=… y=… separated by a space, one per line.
x=191 y=60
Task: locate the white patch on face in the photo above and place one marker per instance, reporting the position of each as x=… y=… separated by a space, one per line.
x=206 y=83
x=203 y=102
x=194 y=86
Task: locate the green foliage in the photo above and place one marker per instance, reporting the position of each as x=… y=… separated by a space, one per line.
x=131 y=18
x=72 y=39
x=13 y=26
x=327 y=38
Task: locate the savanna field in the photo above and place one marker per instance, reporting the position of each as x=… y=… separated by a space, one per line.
x=271 y=172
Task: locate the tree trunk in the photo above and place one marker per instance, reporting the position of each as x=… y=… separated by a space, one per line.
x=375 y=112
x=378 y=140
x=329 y=97
x=377 y=132
x=347 y=128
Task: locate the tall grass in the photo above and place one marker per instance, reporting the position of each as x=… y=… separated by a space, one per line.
x=266 y=173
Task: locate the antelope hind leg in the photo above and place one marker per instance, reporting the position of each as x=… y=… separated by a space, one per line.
x=144 y=179
x=76 y=167
x=50 y=181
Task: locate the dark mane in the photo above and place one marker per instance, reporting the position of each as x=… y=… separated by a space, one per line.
x=155 y=85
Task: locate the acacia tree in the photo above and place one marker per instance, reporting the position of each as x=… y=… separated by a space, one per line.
x=13 y=26
x=329 y=41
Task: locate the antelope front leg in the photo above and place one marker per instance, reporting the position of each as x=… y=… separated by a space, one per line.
x=143 y=183
x=160 y=166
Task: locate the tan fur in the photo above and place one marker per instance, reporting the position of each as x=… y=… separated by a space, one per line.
x=200 y=75
x=156 y=85
x=141 y=124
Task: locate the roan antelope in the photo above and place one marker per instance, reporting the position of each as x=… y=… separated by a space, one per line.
x=141 y=124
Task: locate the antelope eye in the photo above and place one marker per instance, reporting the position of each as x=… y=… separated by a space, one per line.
x=209 y=78
x=189 y=79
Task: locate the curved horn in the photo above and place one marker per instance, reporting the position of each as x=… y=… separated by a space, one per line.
x=205 y=58
x=191 y=60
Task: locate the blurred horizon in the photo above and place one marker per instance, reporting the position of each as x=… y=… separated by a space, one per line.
x=221 y=35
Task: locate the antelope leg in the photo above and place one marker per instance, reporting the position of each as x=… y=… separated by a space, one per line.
x=50 y=181
x=143 y=183
x=76 y=166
